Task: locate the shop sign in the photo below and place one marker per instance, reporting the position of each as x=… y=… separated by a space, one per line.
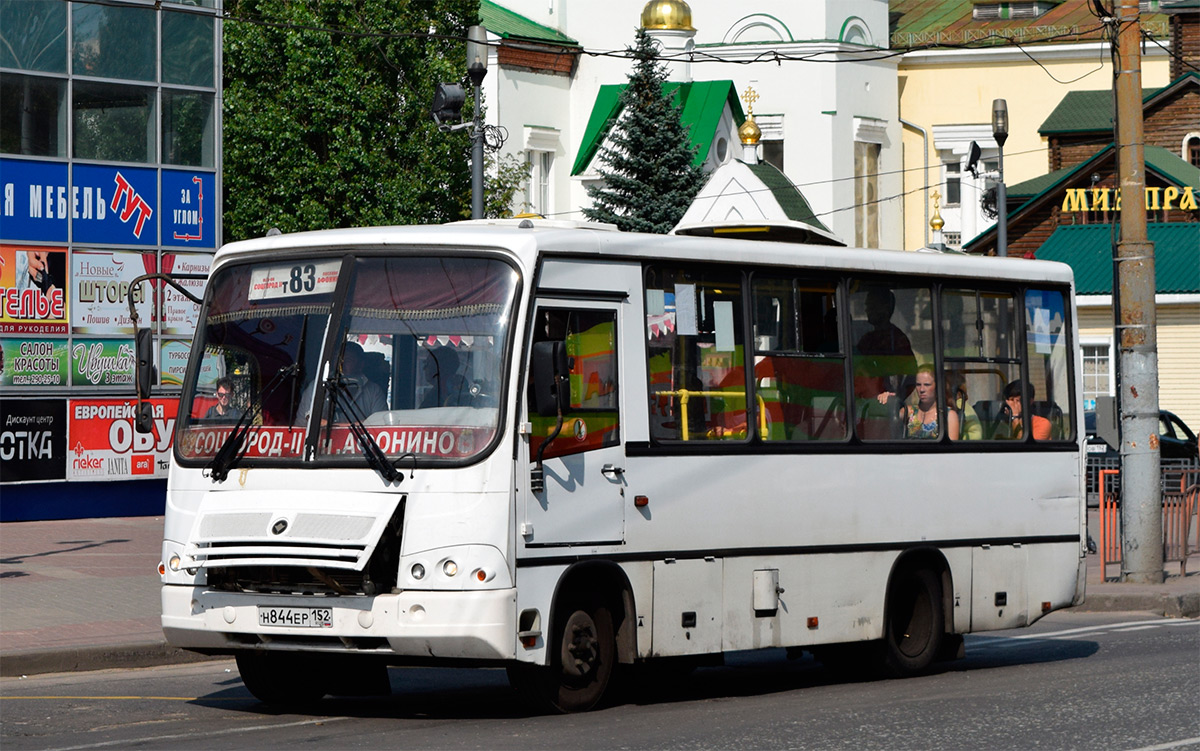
x=187 y=206
x=174 y=361
x=114 y=205
x=33 y=283
x=1076 y=200
x=33 y=201
x=105 y=446
x=33 y=362
x=179 y=314
x=100 y=283
x=33 y=439
x=102 y=362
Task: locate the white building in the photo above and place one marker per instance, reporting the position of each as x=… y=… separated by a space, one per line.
x=827 y=101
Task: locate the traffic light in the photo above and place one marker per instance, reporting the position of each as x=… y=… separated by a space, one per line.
x=448 y=99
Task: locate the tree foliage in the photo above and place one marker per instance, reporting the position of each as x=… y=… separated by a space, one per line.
x=649 y=178
x=325 y=129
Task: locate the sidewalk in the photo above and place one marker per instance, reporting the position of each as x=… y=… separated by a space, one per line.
x=84 y=595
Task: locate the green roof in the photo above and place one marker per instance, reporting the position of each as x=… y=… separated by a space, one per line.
x=790 y=199
x=1036 y=185
x=508 y=25
x=1088 y=250
x=1092 y=111
x=701 y=105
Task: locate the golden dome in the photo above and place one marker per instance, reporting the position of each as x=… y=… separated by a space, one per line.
x=749 y=131
x=674 y=15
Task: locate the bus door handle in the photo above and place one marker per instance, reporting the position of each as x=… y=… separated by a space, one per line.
x=612 y=472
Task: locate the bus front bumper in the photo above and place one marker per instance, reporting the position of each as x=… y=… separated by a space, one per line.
x=478 y=625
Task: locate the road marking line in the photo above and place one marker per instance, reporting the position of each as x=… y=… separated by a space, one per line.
x=985 y=640
x=125 y=698
x=194 y=736
x=1169 y=744
x=1133 y=628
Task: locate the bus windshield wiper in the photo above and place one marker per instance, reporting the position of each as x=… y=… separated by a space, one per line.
x=234 y=447
x=374 y=455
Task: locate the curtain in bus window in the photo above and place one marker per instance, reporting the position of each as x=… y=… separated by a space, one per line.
x=694 y=330
x=892 y=338
x=980 y=357
x=592 y=420
x=1048 y=352
x=799 y=365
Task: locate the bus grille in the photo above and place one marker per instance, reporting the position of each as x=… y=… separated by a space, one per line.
x=291 y=580
x=265 y=552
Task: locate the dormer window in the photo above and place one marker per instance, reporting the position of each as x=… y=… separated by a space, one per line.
x=993 y=11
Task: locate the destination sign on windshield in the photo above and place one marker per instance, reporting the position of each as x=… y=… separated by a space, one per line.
x=293 y=279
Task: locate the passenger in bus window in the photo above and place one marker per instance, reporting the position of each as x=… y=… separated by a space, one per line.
x=365 y=395
x=444 y=384
x=1016 y=422
x=223 y=410
x=920 y=415
x=885 y=351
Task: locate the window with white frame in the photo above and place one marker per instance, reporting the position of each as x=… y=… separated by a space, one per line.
x=541 y=144
x=537 y=185
x=1097 y=370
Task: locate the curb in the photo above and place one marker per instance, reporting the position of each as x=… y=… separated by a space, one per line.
x=74 y=659
x=1185 y=605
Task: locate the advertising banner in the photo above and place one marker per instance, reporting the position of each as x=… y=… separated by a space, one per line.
x=179 y=314
x=173 y=361
x=33 y=201
x=33 y=283
x=100 y=288
x=33 y=439
x=102 y=362
x=187 y=209
x=105 y=446
x=114 y=205
x=33 y=362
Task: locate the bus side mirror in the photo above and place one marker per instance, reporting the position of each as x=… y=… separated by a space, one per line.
x=550 y=370
x=143 y=377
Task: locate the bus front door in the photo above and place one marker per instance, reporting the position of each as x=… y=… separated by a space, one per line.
x=582 y=499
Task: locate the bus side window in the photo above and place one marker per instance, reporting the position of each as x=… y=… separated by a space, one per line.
x=799 y=365
x=694 y=331
x=591 y=419
x=1049 y=354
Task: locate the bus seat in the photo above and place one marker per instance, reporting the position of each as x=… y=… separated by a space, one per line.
x=990 y=413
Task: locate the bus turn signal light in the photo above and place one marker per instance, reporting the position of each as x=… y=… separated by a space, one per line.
x=641 y=501
x=812 y=621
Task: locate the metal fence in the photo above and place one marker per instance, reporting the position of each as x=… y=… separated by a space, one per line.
x=1181 y=508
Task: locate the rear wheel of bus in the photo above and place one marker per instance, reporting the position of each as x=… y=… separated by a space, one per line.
x=914 y=623
x=582 y=656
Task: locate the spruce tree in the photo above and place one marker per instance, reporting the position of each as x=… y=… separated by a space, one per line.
x=649 y=178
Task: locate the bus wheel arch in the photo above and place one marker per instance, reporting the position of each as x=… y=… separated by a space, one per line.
x=590 y=631
x=917 y=615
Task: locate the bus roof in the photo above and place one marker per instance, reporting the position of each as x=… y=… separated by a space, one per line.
x=526 y=243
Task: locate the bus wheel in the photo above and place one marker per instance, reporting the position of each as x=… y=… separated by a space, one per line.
x=913 y=630
x=282 y=679
x=583 y=652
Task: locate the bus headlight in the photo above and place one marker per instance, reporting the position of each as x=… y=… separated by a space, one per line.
x=417 y=571
x=175 y=563
x=450 y=568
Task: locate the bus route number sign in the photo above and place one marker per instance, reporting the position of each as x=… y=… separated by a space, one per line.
x=293 y=280
x=296 y=617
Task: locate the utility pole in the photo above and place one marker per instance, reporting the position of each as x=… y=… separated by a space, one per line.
x=1137 y=395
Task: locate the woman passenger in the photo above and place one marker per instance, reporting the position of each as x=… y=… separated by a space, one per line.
x=921 y=417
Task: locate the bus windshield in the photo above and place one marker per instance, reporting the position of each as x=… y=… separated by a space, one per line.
x=302 y=355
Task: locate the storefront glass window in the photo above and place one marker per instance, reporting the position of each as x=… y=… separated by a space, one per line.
x=36 y=122
x=187 y=128
x=33 y=35
x=114 y=122
x=114 y=41
x=187 y=49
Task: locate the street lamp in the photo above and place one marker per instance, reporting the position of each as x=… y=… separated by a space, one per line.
x=477 y=57
x=1000 y=133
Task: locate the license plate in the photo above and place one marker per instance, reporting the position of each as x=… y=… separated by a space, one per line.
x=1096 y=448
x=296 y=617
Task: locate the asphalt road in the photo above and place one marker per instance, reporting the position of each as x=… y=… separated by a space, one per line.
x=1074 y=680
